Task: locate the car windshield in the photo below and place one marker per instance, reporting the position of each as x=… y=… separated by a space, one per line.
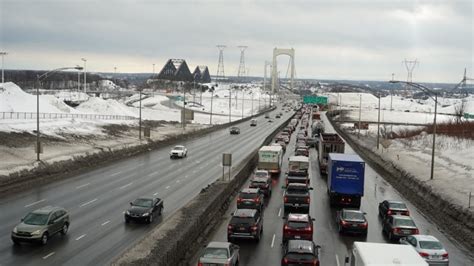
x=178 y=148
x=247 y=195
x=36 y=219
x=297 y=224
x=397 y=205
x=431 y=245
x=143 y=202
x=404 y=222
x=353 y=216
x=261 y=174
x=215 y=253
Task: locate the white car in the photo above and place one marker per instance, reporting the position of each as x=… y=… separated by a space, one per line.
x=220 y=253
x=179 y=151
x=429 y=248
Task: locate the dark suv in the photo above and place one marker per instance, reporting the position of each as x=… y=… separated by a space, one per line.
x=297 y=226
x=245 y=224
x=41 y=224
x=392 y=207
x=250 y=198
x=300 y=252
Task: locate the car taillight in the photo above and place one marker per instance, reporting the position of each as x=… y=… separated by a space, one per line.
x=286 y=227
x=308 y=200
x=424 y=254
x=309 y=229
x=344 y=222
x=363 y=225
x=199 y=264
x=389 y=212
x=407 y=213
x=396 y=230
x=285 y=199
x=315 y=262
x=416 y=232
x=256 y=200
x=285 y=261
x=229 y=227
x=445 y=255
x=239 y=200
x=253 y=228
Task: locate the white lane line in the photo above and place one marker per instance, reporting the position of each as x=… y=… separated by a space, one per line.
x=177 y=181
x=167 y=187
x=106 y=222
x=127 y=185
x=115 y=174
x=49 y=255
x=337 y=260
x=283 y=194
x=87 y=203
x=80 y=237
x=154 y=194
x=152 y=174
x=34 y=203
x=81 y=186
x=273 y=240
x=279 y=212
x=186 y=176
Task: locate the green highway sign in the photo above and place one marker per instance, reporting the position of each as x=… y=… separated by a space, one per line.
x=468 y=116
x=315 y=99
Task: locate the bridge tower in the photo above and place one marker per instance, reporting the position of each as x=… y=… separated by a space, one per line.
x=291 y=54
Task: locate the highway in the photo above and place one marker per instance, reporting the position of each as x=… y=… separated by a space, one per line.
x=334 y=247
x=97 y=199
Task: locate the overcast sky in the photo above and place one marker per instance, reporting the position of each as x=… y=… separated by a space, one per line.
x=361 y=40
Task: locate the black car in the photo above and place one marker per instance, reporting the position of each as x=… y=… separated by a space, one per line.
x=296 y=197
x=245 y=224
x=392 y=207
x=234 y=130
x=351 y=221
x=144 y=209
x=398 y=226
x=300 y=252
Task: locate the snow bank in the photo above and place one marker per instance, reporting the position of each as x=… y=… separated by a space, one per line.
x=95 y=105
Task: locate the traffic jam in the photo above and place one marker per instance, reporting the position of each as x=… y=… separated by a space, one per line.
x=344 y=175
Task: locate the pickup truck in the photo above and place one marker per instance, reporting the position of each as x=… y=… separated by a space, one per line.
x=296 y=197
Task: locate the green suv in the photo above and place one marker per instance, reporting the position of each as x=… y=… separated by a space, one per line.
x=41 y=224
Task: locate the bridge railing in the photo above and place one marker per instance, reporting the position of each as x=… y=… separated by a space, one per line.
x=33 y=115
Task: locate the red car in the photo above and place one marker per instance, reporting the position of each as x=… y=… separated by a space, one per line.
x=298 y=226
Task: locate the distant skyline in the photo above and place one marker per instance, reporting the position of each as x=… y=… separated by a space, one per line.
x=339 y=39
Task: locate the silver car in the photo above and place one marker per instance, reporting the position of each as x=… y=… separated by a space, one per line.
x=40 y=225
x=429 y=248
x=220 y=253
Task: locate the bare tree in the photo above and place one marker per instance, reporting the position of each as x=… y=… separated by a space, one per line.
x=459 y=110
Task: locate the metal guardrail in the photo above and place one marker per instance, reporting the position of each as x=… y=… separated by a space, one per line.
x=33 y=115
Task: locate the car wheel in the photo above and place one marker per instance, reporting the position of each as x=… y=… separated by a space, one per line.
x=339 y=228
x=150 y=219
x=44 y=238
x=160 y=211
x=16 y=242
x=65 y=229
x=390 y=237
x=127 y=220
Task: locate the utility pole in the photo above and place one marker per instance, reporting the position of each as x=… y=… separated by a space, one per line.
x=391 y=94
x=230 y=103
x=184 y=106
x=212 y=97
x=3 y=54
x=434 y=137
x=140 y=117
x=85 y=76
x=360 y=111
x=242 y=104
x=251 y=111
x=378 y=125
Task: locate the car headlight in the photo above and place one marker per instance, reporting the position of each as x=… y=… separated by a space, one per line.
x=15 y=230
x=127 y=212
x=37 y=232
x=146 y=214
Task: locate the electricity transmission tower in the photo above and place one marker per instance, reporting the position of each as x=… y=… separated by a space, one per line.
x=241 y=71
x=220 y=66
x=410 y=65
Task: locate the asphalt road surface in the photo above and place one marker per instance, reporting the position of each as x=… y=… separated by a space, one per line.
x=334 y=247
x=96 y=200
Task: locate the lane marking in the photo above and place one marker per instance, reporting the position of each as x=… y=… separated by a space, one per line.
x=106 y=222
x=167 y=187
x=34 y=203
x=177 y=181
x=127 y=185
x=154 y=194
x=115 y=173
x=279 y=212
x=153 y=173
x=273 y=240
x=80 y=237
x=87 y=203
x=283 y=194
x=337 y=260
x=81 y=186
x=186 y=176
x=49 y=255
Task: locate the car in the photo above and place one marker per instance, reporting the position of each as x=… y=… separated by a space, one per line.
x=253 y=122
x=352 y=221
x=281 y=143
x=178 y=151
x=429 y=248
x=277 y=116
x=144 y=209
x=250 y=198
x=270 y=120
x=297 y=226
x=296 y=197
x=300 y=252
x=312 y=142
x=302 y=152
x=267 y=115
x=234 y=130
x=263 y=181
x=392 y=207
x=245 y=224
x=40 y=225
x=220 y=253
x=398 y=226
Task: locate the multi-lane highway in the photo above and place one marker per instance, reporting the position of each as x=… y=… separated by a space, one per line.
x=334 y=246
x=96 y=199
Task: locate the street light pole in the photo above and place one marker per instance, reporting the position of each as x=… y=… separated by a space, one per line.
x=212 y=97
x=3 y=54
x=140 y=117
x=360 y=111
x=431 y=93
x=242 y=104
x=85 y=77
x=251 y=112
x=378 y=125
x=230 y=103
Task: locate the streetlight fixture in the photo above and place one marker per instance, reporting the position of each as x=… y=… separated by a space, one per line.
x=39 y=79
x=430 y=94
x=85 y=78
x=3 y=54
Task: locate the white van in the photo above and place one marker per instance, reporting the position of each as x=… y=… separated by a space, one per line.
x=372 y=254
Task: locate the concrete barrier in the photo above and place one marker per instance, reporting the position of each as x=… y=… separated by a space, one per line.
x=457 y=221
x=183 y=234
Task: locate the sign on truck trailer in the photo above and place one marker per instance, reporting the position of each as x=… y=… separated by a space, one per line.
x=328 y=143
x=345 y=182
x=376 y=254
x=269 y=158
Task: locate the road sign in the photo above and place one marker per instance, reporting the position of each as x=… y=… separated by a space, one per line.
x=226 y=159
x=315 y=99
x=468 y=116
